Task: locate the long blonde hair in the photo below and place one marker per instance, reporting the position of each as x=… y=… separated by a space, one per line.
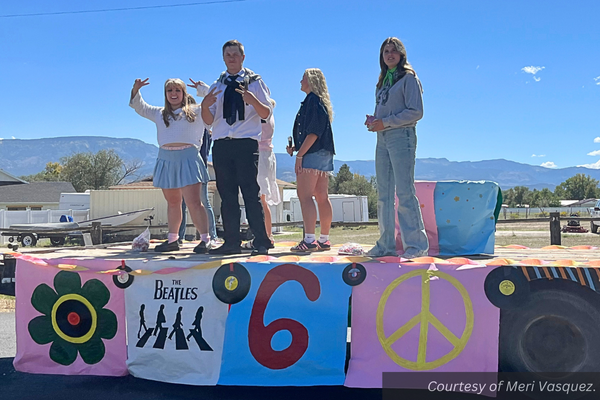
x=186 y=108
x=318 y=86
x=403 y=66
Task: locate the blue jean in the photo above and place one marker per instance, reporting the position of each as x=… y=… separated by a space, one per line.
x=212 y=228
x=395 y=169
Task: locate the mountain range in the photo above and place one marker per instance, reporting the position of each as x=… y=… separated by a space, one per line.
x=25 y=157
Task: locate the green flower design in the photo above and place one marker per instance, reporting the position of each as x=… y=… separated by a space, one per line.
x=74 y=319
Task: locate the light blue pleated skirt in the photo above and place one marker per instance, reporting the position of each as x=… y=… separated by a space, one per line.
x=178 y=168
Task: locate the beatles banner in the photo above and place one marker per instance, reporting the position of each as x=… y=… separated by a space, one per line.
x=247 y=322
x=175 y=326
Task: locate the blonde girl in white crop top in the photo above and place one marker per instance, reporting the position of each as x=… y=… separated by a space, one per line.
x=179 y=170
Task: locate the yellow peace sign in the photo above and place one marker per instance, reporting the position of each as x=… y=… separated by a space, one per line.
x=425 y=318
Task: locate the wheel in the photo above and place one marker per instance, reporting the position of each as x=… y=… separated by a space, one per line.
x=57 y=241
x=11 y=239
x=556 y=331
x=28 y=239
x=593 y=227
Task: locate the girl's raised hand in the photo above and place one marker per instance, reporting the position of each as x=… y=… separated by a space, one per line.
x=138 y=84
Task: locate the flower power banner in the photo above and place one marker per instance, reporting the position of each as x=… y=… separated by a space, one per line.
x=70 y=323
x=290 y=329
x=421 y=318
x=175 y=327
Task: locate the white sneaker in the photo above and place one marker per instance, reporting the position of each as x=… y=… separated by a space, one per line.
x=212 y=244
x=410 y=254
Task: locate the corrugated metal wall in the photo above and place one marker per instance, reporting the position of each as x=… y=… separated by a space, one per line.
x=111 y=202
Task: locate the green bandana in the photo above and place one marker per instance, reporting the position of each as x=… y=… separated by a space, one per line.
x=389 y=75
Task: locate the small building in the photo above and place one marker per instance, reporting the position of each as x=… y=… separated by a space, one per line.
x=19 y=195
x=346 y=208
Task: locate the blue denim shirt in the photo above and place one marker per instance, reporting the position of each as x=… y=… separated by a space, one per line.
x=313 y=118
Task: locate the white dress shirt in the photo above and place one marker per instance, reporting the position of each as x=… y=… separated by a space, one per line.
x=250 y=127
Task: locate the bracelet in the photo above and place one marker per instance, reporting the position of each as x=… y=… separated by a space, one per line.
x=299 y=157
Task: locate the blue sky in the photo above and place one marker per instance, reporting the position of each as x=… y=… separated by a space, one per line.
x=71 y=74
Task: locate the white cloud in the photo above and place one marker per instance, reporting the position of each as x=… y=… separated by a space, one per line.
x=548 y=164
x=535 y=78
x=532 y=70
x=597 y=140
x=595 y=165
x=477 y=67
x=14 y=137
x=594 y=153
x=538 y=155
x=597 y=80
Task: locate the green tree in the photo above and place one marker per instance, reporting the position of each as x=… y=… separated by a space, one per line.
x=52 y=172
x=522 y=195
x=343 y=175
x=544 y=198
x=96 y=171
x=509 y=197
x=579 y=187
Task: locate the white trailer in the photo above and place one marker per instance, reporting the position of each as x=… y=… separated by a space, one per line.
x=346 y=208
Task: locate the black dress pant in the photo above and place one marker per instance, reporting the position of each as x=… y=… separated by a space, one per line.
x=236 y=166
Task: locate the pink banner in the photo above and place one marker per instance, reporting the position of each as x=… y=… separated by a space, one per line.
x=68 y=323
x=425 y=192
x=420 y=318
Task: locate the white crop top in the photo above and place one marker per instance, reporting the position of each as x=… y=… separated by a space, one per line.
x=178 y=131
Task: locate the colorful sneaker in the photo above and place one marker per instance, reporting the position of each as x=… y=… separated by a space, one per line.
x=324 y=246
x=304 y=247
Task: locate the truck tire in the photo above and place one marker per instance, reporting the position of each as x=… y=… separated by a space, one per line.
x=57 y=240
x=593 y=227
x=555 y=331
x=28 y=239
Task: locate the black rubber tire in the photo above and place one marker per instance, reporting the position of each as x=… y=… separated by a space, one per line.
x=28 y=239
x=593 y=227
x=556 y=331
x=57 y=240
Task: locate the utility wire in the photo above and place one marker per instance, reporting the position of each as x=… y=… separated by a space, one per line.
x=119 y=9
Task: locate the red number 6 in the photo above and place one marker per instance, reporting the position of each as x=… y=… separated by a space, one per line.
x=259 y=335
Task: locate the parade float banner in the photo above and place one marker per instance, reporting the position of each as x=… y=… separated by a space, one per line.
x=175 y=327
x=421 y=318
x=459 y=216
x=67 y=322
x=290 y=329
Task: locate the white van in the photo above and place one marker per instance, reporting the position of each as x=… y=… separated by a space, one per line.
x=595 y=213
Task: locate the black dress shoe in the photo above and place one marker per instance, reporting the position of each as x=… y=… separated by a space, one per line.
x=166 y=246
x=260 y=251
x=225 y=250
x=201 y=248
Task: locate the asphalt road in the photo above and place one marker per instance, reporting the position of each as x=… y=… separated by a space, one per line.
x=8 y=342
x=17 y=385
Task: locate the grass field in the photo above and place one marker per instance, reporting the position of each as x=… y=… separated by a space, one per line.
x=7 y=303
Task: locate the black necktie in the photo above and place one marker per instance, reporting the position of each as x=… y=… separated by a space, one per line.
x=233 y=104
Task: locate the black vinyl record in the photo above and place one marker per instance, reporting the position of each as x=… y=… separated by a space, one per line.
x=506 y=287
x=354 y=274
x=123 y=281
x=231 y=283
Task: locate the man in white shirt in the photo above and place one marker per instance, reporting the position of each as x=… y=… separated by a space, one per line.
x=235 y=107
